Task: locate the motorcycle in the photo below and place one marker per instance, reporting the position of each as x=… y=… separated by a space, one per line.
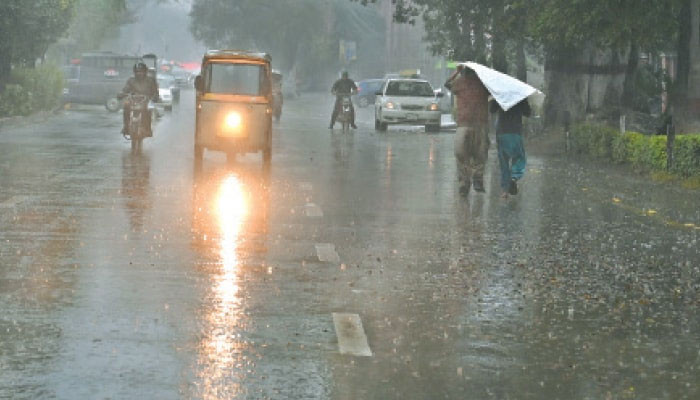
x=345 y=114
x=138 y=128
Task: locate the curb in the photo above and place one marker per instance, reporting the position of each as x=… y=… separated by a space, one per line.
x=21 y=120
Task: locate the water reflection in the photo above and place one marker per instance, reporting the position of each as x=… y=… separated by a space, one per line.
x=230 y=218
x=136 y=174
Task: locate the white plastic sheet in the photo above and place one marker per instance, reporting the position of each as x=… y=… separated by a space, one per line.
x=505 y=89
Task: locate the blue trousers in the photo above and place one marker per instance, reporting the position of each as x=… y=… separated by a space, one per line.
x=511 y=158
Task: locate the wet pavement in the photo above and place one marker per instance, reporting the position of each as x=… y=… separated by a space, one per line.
x=350 y=269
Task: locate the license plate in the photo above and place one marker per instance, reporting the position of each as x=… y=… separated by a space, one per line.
x=411 y=117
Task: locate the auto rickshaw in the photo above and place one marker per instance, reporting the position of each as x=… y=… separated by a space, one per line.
x=277 y=98
x=234 y=104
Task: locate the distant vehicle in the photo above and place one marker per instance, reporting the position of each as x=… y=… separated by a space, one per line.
x=168 y=91
x=407 y=102
x=366 y=91
x=95 y=78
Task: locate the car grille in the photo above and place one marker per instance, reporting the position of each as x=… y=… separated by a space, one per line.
x=412 y=107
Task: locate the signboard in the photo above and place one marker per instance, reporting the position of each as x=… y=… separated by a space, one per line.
x=348 y=51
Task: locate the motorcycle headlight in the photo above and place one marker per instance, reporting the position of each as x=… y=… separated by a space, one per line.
x=433 y=107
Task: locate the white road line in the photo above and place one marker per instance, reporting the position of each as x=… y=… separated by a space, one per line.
x=351 y=335
x=312 y=210
x=326 y=252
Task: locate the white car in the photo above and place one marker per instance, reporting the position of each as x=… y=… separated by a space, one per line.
x=407 y=102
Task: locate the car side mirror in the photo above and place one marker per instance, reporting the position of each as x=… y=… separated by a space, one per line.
x=198 y=84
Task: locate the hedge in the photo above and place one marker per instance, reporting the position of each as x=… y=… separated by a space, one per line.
x=30 y=90
x=645 y=152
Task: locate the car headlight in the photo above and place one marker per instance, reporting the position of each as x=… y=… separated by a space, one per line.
x=232 y=121
x=389 y=105
x=433 y=107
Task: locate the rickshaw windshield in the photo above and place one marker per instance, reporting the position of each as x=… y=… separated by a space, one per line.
x=243 y=79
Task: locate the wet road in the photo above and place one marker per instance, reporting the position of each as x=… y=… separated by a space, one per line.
x=351 y=269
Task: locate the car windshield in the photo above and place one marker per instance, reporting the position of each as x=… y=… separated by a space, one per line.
x=245 y=79
x=409 y=88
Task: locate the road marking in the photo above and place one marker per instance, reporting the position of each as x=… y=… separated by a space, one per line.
x=312 y=210
x=326 y=252
x=351 y=335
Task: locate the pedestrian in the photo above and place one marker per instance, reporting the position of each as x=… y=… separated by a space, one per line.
x=511 y=149
x=471 y=140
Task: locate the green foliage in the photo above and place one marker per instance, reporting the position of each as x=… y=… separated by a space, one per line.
x=301 y=34
x=31 y=90
x=94 y=21
x=15 y=100
x=645 y=152
x=686 y=155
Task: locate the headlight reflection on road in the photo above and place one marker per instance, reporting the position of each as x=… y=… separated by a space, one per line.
x=223 y=343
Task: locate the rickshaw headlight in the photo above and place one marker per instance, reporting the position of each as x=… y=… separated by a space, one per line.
x=233 y=120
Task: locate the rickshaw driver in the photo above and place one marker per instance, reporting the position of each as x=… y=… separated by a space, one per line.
x=343 y=87
x=141 y=84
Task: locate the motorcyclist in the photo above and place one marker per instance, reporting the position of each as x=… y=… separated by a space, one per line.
x=343 y=87
x=141 y=84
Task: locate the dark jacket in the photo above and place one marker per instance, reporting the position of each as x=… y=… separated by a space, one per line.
x=344 y=86
x=146 y=86
x=511 y=121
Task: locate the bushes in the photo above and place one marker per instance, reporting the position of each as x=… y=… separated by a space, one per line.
x=645 y=152
x=31 y=90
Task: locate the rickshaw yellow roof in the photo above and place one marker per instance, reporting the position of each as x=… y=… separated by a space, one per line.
x=237 y=54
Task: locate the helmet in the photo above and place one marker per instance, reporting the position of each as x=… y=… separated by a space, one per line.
x=344 y=74
x=140 y=66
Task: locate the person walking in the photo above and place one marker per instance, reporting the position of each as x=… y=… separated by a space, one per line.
x=511 y=149
x=471 y=140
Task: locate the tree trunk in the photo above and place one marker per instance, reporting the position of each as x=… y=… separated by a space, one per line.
x=581 y=82
x=628 y=92
x=686 y=102
x=694 y=55
x=520 y=60
x=498 y=42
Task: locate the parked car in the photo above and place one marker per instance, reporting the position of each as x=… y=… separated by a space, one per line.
x=366 y=91
x=407 y=102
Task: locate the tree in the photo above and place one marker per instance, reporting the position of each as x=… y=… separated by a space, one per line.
x=27 y=28
x=94 y=21
x=299 y=33
x=592 y=47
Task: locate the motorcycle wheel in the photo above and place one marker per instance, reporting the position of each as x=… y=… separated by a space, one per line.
x=113 y=104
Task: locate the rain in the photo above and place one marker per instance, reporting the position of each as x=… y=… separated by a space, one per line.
x=332 y=199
